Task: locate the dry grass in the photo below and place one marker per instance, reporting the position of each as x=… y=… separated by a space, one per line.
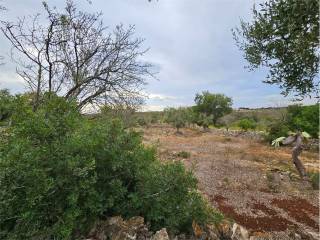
x=241 y=170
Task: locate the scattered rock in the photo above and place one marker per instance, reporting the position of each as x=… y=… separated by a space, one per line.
x=115 y=228
x=239 y=232
x=160 y=235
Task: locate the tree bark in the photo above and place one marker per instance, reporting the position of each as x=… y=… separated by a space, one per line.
x=296 y=151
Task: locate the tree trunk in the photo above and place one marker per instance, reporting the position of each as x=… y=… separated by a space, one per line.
x=296 y=151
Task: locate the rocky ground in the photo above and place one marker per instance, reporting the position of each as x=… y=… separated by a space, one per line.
x=252 y=183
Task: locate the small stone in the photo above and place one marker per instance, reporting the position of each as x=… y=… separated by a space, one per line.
x=160 y=235
x=239 y=232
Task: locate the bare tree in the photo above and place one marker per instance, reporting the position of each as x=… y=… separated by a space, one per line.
x=72 y=55
x=2 y=8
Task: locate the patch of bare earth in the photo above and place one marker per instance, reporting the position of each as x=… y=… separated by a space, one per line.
x=250 y=182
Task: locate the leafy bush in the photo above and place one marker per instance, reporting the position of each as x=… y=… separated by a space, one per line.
x=298 y=118
x=277 y=129
x=214 y=105
x=315 y=179
x=246 y=124
x=304 y=118
x=204 y=120
x=167 y=197
x=141 y=122
x=120 y=112
x=6 y=101
x=178 y=117
x=183 y=154
x=59 y=172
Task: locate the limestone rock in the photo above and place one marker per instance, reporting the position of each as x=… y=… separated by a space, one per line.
x=115 y=228
x=239 y=232
x=160 y=235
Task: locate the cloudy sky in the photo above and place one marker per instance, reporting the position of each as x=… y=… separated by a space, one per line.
x=190 y=44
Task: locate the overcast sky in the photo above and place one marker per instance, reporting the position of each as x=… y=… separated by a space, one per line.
x=190 y=44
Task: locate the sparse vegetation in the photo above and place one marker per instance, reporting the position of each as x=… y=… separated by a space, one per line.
x=183 y=154
x=315 y=179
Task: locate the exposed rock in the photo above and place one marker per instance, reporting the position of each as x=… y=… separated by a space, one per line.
x=239 y=232
x=115 y=228
x=160 y=235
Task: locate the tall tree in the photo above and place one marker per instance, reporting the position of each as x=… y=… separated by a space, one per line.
x=71 y=54
x=284 y=37
x=216 y=105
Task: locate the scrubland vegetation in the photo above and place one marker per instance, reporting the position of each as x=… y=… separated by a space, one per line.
x=63 y=169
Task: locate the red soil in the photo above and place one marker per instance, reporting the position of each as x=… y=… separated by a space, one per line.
x=272 y=222
x=299 y=209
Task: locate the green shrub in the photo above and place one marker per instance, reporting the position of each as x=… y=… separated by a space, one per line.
x=183 y=154
x=304 y=118
x=6 y=108
x=177 y=117
x=246 y=124
x=298 y=118
x=277 y=129
x=314 y=177
x=167 y=197
x=59 y=172
x=141 y=122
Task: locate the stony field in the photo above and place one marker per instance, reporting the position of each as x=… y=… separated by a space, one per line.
x=248 y=181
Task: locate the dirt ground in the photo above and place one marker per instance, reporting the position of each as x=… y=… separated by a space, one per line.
x=252 y=183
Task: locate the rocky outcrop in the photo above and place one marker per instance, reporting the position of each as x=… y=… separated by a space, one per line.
x=161 y=235
x=115 y=228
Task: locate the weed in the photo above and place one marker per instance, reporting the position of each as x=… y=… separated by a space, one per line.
x=314 y=178
x=183 y=154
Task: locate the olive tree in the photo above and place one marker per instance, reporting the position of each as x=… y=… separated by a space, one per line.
x=213 y=105
x=284 y=37
x=178 y=117
x=297 y=140
x=70 y=53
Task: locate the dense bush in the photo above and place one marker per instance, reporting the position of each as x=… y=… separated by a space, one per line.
x=204 y=120
x=315 y=179
x=246 y=124
x=177 y=117
x=119 y=112
x=297 y=118
x=142 y=122
x=277 y=129
x=59 y=172
x=6 y=101
x=304 y=118
x=213 y=105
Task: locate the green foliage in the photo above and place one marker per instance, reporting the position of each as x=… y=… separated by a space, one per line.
x=277 y=129
x=284 y=37
x=121 y=112
x=142 y=122
x=178 y=117
x=168 y=198
x=204 y=120
x=246 y=124
x=59 y=172
x=304 y=118
x=6 y=105
x=214 y=105
x=315 y=179
x=297 y=118
x=183 y=154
